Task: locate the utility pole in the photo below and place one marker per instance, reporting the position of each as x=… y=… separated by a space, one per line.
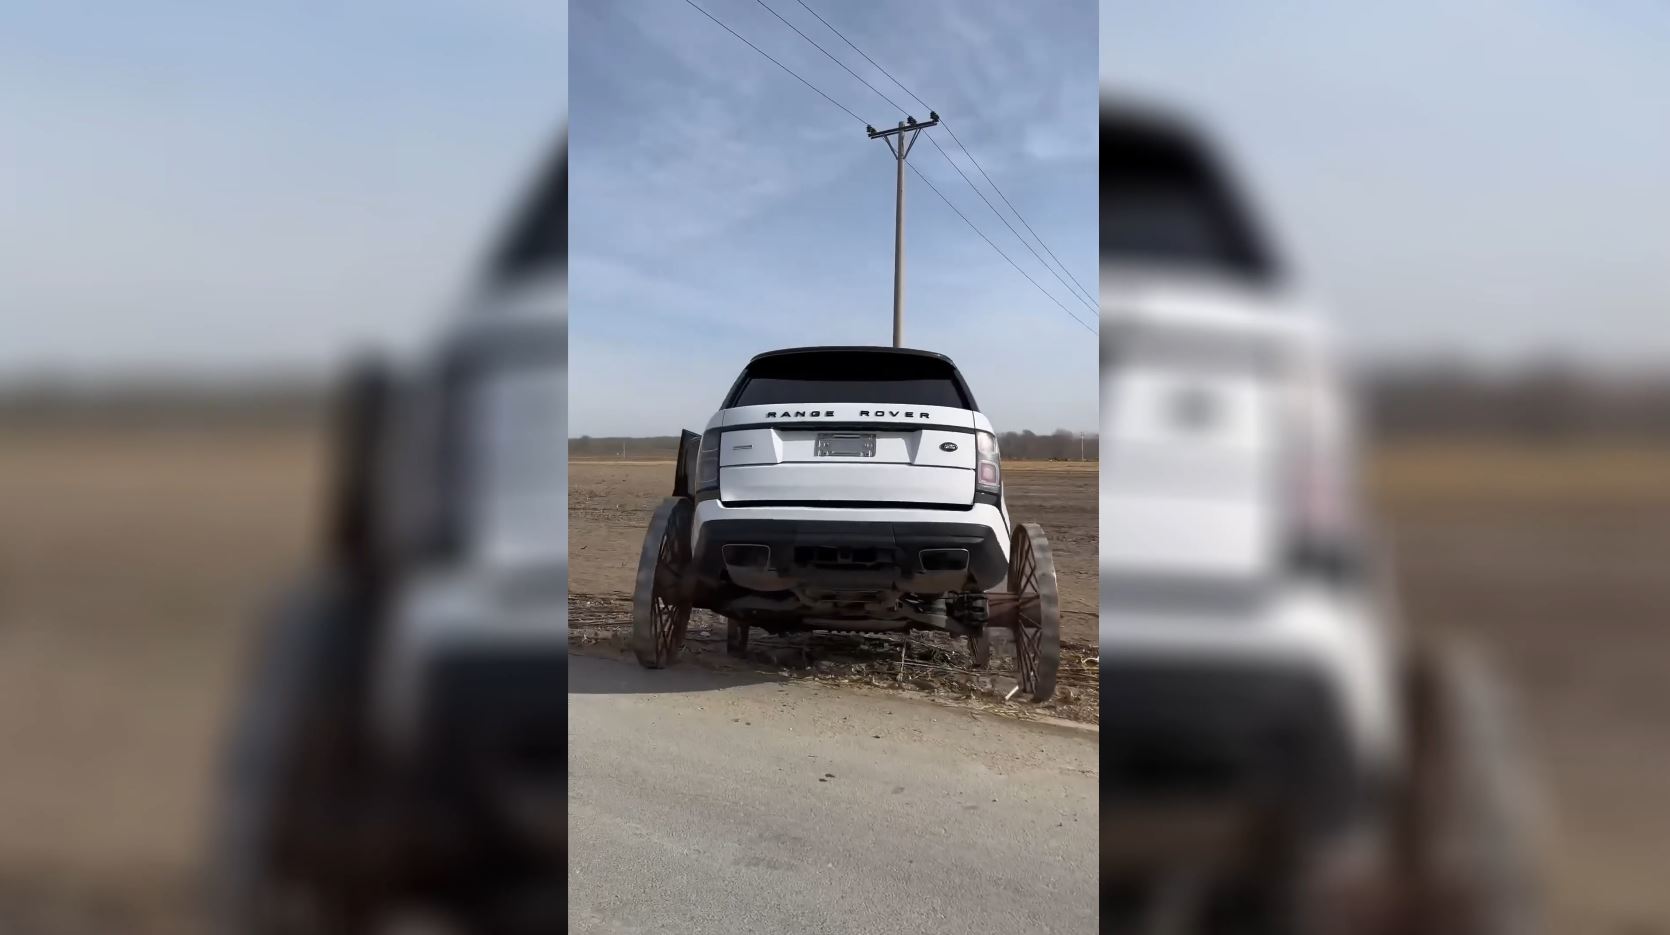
x=900 y=149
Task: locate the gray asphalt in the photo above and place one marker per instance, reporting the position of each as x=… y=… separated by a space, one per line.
x=704 y=802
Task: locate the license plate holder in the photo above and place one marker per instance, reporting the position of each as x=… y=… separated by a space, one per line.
x=845 y=445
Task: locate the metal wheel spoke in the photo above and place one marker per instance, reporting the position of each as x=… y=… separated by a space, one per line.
x=661 y=603
x=1036 y=621
x=666 y=580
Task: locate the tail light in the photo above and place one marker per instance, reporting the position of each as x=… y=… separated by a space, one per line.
x=707 y=462
x=1322 y=485
x=988 y=467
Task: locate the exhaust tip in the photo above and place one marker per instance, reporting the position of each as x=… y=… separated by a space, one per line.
x=747 y=555
x=944 y=559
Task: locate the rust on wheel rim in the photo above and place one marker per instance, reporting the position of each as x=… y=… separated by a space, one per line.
x=1035 y=614
x=661 y=600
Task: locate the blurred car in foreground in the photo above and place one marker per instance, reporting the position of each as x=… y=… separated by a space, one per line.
x=401 y=747
x=1278 y=754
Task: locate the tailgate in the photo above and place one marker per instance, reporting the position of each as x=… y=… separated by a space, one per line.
x=1189 y=468
x=847 y=454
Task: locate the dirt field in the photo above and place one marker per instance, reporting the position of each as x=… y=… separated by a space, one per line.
x=131 y=565
x=1555 y=562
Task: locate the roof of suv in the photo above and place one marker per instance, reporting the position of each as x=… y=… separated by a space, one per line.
x=949 y=371
x=1146 y=148
x=851 y=348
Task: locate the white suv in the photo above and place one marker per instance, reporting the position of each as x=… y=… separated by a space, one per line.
x=847 y=488
x=854 y=478
x=1255 y=675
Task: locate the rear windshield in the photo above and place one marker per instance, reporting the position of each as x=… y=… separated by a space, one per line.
x=1163 y=200
x=851 y=377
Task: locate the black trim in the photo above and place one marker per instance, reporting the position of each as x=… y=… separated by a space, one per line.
x=985 y=498
x=684 y=468
x=906 y=541
x=844 y=425
x=854 y=504
x=1337 y=563
x=363 y=412
x=1188 y=728
x=492 y=716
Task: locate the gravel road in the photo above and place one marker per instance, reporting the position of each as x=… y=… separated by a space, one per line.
x=704 y=801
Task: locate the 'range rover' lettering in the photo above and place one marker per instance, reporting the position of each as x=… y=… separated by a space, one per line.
x=893 y=414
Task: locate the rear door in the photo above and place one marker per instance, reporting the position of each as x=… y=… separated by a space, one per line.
x=684 y=482
x=851 y=427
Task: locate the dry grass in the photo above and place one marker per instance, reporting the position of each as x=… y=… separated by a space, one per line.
x=1064 y=467
x=1426 y=474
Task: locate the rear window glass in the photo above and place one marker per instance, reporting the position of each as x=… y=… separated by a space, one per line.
x=850 y=378
x=1163 y=200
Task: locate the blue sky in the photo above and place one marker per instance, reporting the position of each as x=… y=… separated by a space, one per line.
x=720 y=208
x=226 y=187
x=1489 y=178
x=218 y=187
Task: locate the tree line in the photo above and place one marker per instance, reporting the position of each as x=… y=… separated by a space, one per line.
x=1428 y=399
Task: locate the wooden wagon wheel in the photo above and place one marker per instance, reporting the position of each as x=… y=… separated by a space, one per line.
x=1469 y=840
x=1036 y=622
x=661 y=598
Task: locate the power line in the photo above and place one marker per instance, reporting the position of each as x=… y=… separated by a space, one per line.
x=832 y=58
x=1000 y=217
x=777 y=63
x=913 y=168
x=969 y=153
x=1072 y=289
x=861 y=52
x=999 y=249
x=966 y=151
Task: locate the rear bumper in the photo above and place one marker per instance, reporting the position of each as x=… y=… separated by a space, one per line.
x=1337 y=639
x=907 y=550
x=1208 y=731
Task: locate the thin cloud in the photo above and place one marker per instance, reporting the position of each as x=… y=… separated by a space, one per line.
x=722 y=208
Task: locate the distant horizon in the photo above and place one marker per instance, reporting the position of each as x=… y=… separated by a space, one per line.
x=1413 y=397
